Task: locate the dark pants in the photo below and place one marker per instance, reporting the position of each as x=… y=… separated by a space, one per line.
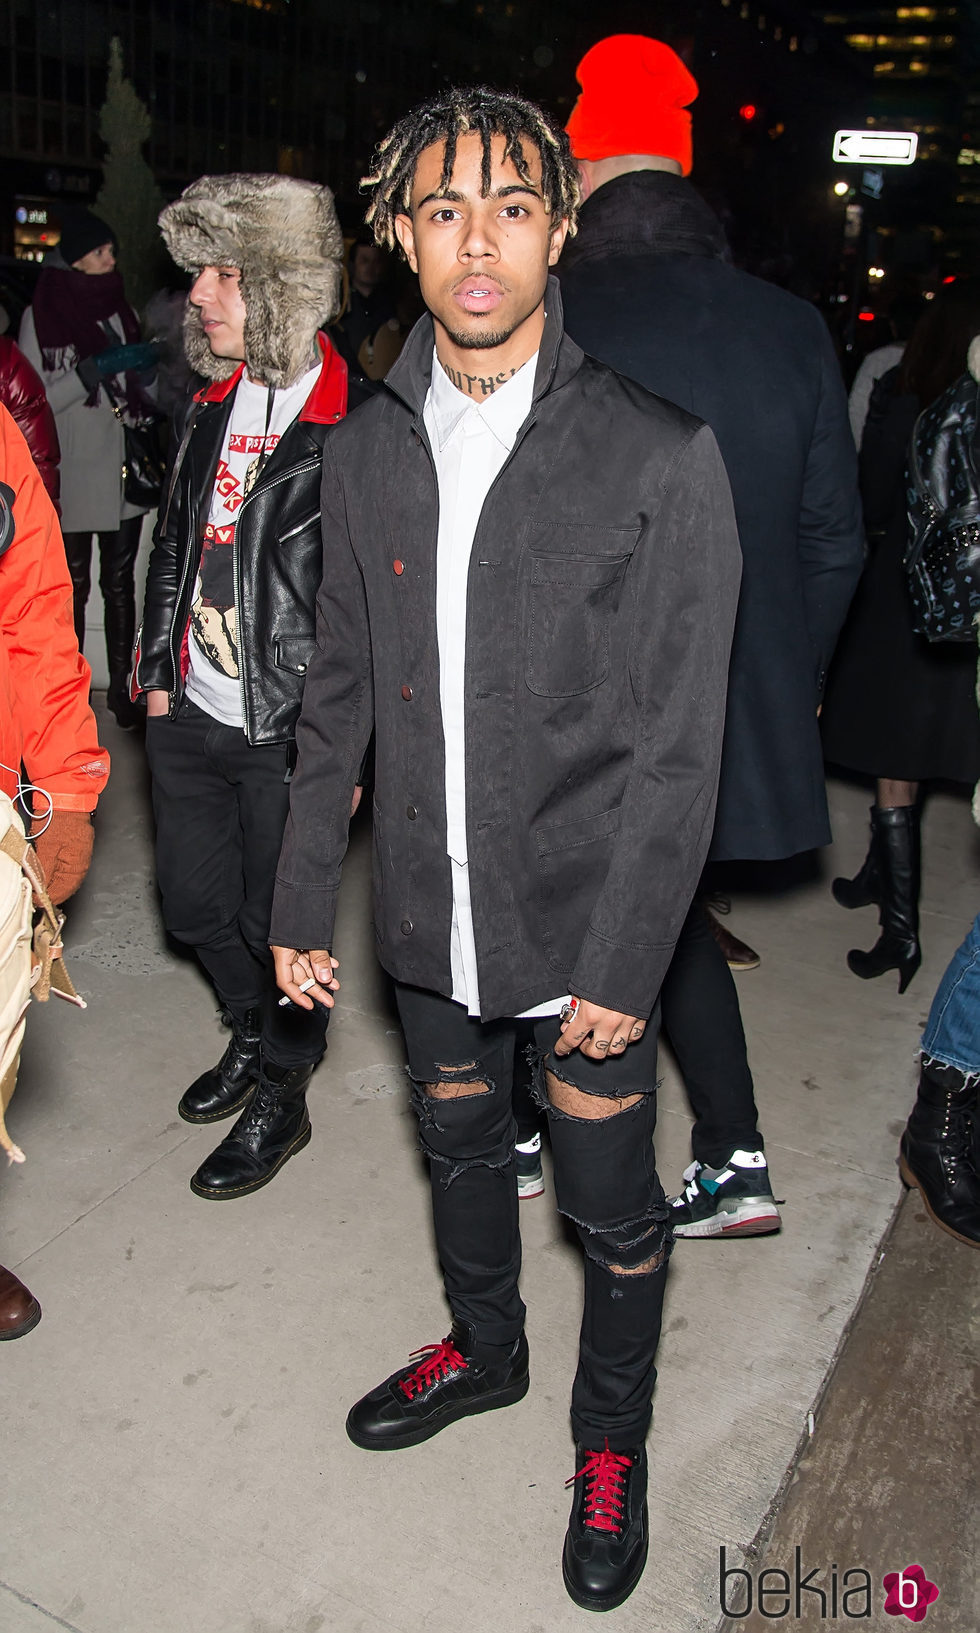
x=605 y=1182
x=220 y=805
x=703 y=1022
x=117 y=561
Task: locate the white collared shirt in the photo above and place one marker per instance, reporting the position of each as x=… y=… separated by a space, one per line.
x=470 y=442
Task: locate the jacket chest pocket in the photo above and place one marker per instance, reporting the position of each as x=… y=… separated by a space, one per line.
x=573 y=602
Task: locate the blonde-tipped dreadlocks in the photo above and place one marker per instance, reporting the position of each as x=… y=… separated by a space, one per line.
x=445 y=119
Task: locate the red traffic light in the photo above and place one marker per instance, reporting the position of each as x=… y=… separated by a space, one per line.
x=748 y=111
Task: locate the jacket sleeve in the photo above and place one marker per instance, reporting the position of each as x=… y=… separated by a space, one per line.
x=685 y=575
x=23 y=395
x=831 y=538
x=48 y=676
x=332 y=737
x=154 y=669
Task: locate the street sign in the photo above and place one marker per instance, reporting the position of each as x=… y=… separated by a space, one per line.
x=875 y=146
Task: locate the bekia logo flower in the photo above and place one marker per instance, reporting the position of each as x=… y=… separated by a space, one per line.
x=909 y=1593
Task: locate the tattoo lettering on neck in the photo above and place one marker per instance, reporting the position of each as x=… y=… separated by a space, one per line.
x=477 y=385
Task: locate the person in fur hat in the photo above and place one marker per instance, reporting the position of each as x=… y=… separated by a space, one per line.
x=228 y=629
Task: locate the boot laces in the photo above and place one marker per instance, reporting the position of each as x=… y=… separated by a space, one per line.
x=438 y=1361
x=604 y=1474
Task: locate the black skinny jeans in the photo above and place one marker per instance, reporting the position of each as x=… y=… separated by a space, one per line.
x=605 y=1182
x=220 y=805
x=703 y=1023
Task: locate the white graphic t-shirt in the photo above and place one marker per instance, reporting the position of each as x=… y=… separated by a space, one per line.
x=259 y=417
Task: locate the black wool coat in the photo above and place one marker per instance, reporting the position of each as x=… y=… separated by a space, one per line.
x=601 y=597
x=646 y=288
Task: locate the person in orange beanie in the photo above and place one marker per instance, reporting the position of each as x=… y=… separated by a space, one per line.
x=46 y=724
x=648 y=287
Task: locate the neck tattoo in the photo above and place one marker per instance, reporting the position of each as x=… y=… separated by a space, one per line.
x=477 y=385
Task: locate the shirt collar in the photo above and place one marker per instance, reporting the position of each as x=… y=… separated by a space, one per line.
x=503 y=411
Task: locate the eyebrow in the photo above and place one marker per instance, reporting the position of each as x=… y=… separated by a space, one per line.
x=452 y=197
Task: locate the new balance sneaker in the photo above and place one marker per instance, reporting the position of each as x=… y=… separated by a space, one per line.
x=440 y=1383
x=736 y=1200
x=527 y=1158
x=606 y=1541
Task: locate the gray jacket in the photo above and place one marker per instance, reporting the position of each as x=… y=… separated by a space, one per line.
x=602 y=592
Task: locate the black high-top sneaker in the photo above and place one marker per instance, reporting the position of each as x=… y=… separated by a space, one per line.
x=224 y=1089
x=438 y=1384
x=607 y=1536
x=273 y=1127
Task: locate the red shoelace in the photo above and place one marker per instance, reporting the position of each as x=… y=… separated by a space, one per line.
x=604 y=1474
x=439 y=1361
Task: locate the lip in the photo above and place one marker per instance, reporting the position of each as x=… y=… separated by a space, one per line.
x=476 y=294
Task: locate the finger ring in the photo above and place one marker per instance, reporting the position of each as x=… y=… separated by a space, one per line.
x=305 y=986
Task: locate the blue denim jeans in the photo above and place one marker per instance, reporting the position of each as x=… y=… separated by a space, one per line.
x=952 y=1033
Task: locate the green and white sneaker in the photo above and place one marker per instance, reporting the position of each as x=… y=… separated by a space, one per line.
x=735 y=1200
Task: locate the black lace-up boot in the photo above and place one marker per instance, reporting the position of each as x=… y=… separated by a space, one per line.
x=273 y=1127
x=438 y=1384
x=937 y=1151
x=224 y=1089
x=607 y=1536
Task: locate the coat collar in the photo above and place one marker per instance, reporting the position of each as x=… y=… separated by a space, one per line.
x=558 y=357
x=646 y=209
x=326 y=403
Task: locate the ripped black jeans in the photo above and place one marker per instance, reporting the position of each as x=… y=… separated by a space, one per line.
x=605 y=1182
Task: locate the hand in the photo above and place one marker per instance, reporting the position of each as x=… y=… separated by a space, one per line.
x=356 y=800
x=295 y=967
x=64 y=850
x=138 y=356
x=157 y=703
x=598 y=1032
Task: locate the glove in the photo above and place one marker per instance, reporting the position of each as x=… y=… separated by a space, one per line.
x=64 y=850
x=117 y=359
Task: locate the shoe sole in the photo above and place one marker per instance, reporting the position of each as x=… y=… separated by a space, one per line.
x=392 y=1443
x=530 y=1187
x=255 y=1184
x=26 y=1326
x=739 y=965
x=217 y=1116
x=751 y=1219
x=913 y=1184
x=608 y=1601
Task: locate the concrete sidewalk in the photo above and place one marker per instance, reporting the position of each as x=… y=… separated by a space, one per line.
x=174 y=1449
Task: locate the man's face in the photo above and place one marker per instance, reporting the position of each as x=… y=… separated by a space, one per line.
x=482 y=263
x=216 y=292
x=367 y=267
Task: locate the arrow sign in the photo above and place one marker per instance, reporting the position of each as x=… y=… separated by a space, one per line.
x=875 y=146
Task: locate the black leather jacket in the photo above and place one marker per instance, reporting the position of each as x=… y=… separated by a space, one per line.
x=278 y=553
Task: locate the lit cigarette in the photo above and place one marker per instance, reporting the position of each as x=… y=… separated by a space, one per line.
x=305 y=986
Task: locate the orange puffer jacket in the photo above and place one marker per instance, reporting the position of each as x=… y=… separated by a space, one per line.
x=45 y=719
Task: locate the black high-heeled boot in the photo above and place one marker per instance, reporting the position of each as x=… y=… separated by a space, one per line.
x=865 y=888
x=937 y=1149
x=897 y=948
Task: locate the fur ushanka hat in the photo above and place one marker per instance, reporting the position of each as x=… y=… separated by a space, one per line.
x=284 y=237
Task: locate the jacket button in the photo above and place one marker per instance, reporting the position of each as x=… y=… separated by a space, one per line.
x=398 y=567
x=406 y=927
x=301 y=669
x=411 y=812
x=407 y=693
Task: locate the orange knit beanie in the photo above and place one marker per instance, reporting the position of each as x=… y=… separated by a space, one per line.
x=635 y=96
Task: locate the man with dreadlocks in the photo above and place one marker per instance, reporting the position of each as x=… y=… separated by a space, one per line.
x=531 y=572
